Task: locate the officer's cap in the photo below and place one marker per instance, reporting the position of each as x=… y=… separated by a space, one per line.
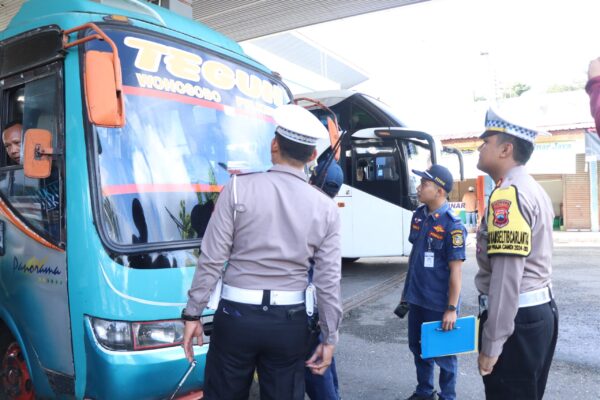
x=495 y=123
x=298 y=124
x=333 y=180
x=439 y=175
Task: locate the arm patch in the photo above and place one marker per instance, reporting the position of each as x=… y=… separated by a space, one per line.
x=458 y=239
x=508 y=230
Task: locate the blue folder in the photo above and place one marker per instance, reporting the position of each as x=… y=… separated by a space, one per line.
x=435 y=342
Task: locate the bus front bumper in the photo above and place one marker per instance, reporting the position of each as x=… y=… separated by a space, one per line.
x=147 y=374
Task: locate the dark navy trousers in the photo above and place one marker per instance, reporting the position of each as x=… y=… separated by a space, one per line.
x=322 y=387
x=425 y=367
x=522 y=369
x=269 y=339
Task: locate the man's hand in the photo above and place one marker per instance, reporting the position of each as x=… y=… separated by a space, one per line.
x=321 y=359
x=193 y=329
x=448 y=320
x=594 y=68
x=486 y=364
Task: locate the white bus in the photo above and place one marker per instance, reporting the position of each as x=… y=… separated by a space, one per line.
x=377 y=155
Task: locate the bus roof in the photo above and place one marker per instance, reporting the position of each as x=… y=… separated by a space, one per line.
x=42 y=11
x=328 y=97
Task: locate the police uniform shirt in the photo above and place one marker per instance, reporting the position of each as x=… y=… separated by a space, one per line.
x=519 y=262
x=442 y=233
x=281 y=223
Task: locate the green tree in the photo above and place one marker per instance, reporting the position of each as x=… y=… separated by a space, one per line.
x=515 y=90
x=568 y=87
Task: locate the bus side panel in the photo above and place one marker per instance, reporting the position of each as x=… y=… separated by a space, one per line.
x=33 y=278
x=345 y=207
x=377 y=227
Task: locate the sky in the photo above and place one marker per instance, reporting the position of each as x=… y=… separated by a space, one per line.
x=429 y=60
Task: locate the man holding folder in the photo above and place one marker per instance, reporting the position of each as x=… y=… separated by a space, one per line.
x=433 y=282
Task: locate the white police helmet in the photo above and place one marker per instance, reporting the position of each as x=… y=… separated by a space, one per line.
x=494 y=123
x=298 y=124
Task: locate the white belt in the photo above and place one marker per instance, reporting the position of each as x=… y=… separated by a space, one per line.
x=255 y=296
x=527 y=299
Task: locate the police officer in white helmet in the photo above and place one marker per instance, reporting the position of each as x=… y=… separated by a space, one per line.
x=267 y=227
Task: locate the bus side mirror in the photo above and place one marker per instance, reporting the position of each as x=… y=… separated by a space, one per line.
x=102 y=78
x=334 y=137
x=38 y=153
x=103 y=95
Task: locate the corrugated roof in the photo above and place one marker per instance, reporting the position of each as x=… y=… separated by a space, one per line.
x=8 y=9
x=243 y=20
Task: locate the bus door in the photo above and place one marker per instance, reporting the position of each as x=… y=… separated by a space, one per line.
x=384 y=190
x=33 y=274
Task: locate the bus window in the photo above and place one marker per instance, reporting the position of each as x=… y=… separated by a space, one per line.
x=361 y=119
x=418 y=158
x=36 y=201
x=377 y=169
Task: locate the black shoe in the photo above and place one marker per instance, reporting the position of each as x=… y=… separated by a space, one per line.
x=418 y=397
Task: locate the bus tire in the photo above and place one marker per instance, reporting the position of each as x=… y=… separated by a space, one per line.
x=349 y=260
x=15 y=380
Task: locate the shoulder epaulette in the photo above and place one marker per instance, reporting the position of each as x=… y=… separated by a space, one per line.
x=450 y=212
x=247 y=173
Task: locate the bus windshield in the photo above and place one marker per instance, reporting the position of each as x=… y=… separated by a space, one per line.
x=192 y=118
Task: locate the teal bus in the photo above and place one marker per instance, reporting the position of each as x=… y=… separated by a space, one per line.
x=132 y=118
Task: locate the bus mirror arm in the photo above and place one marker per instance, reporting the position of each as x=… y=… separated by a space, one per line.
x=37 y=160
x=43 y=151
x=103 y=82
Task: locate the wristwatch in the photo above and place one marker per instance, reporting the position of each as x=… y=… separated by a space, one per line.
x=187 y=317
x=451 y=307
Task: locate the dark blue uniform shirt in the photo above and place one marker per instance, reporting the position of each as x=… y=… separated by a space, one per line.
x=443 y=234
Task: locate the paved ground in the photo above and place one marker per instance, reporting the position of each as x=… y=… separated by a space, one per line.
x=374 y=361
x=373 y=358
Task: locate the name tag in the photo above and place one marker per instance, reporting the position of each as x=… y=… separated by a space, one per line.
x=429 y=257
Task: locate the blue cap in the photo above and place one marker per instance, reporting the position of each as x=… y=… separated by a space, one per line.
x=439 y=175
x=333 y=179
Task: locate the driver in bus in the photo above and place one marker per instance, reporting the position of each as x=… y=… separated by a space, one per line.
x=11 y=138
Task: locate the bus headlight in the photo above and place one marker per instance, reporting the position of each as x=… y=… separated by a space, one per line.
x=143 y=335
x=114 y=335
x=155 y=334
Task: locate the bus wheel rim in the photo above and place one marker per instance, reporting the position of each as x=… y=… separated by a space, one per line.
x=16 y=380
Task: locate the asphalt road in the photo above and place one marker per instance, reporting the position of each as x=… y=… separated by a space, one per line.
x=373 y=358
x=374 y=361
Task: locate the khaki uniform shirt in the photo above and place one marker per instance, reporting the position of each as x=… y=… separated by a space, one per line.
x=282 y=223
x=504 y=277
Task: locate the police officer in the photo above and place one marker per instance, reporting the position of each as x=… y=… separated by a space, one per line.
x=433 y=282
x=280 y=224
x=328 y=178
x=519 y=319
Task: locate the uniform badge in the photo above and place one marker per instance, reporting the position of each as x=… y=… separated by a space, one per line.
x=458 y=240
x=500 y=209
x=439 y=229
x=436 y=235
x=416 y=227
